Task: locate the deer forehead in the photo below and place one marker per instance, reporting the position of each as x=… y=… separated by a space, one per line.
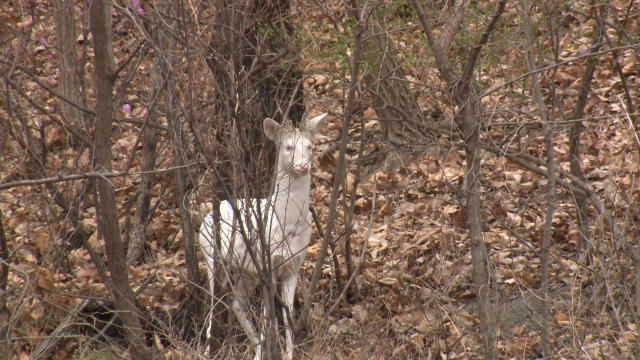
x=296 y=140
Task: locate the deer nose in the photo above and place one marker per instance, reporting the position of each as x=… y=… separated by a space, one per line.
x=304 y=167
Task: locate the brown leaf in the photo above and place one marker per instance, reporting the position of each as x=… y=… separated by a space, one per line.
x=323 y=175
x=389 y=281
x=631 y=68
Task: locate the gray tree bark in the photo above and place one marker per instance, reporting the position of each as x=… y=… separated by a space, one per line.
x=69 y=78
x=100 y=15
x=463 y=95
x=255 y=70
x=5 y=315
x=574 y=144
x=149 y=139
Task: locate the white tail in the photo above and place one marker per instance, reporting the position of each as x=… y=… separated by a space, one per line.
x=287 y=227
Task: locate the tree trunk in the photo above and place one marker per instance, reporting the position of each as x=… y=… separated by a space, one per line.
x=68 y=66
x=100 y=15
x=393 y=100
x=464 y=97
x=5 y=315
x=574 y=148
x=482 y=277
x=149 y=139
x=255 y=71
x=180 y=196
x=402 y=123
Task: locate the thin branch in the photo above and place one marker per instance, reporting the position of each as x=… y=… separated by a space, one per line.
x=477 y=48
x=334 y=254
x=551 y=175
x=534 y=122
x=35 y=104
x=4 y=260
x=86 y=175
x=128 y=60
x=50 y=90
x=138 y=121
x=630 y=108
x=578 y=184
x=442 y=61
x=48 y=343
x=358 y=32
x=539 y=70
x=363 y=251
x=292 y=100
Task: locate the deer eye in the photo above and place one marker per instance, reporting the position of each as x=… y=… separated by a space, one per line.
x=289 y=147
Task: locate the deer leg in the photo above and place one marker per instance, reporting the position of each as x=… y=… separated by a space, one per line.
x=206 y=246
x=243 y=289
x=288 y=293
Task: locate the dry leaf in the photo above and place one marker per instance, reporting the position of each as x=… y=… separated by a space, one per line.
x=388 y=281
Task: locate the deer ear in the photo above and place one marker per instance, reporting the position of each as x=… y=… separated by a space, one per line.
x=313 y=125
x=271 y=128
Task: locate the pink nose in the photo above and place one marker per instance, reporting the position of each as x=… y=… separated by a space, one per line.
x=304 y=167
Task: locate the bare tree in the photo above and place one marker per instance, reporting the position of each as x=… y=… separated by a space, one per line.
x=463 y=95
x=5 y=315
x=206 y=76
x=149 y=139
x=551 y=175
x=254 y=65
x=106 y=73
x=404 y=127
x=70 y=74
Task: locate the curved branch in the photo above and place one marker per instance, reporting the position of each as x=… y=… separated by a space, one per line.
x=87 y=175
x=475 y=52
x=543 y=69
x=50 y=90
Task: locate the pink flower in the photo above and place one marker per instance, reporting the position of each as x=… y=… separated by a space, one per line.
x=140 y=11
x=126 y=108
x=43 y=41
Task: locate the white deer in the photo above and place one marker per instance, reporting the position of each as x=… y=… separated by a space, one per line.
x=287 y=228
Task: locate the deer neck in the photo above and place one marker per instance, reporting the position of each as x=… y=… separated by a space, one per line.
x=290 y=199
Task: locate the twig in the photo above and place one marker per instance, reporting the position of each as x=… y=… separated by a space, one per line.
x=35 y=104
x=140 y=289
x=86 y=175
x=540 y=70
x=49 y=89
x=475 y=52
x=334 y=255
x=358 y=32
x=47 y=345
x=362 y=251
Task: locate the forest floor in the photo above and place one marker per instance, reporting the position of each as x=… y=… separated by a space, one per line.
x=414 y=296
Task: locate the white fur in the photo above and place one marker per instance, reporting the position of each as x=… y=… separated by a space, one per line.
x=287 y=226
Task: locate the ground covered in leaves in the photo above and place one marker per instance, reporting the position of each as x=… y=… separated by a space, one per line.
x=414 y=295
